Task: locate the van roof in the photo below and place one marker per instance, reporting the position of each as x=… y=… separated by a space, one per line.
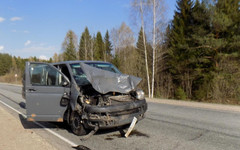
x=78 y=61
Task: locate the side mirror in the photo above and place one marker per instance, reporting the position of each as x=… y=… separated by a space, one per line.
x=65 y=83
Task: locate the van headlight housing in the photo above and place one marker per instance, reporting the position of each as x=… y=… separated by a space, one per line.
x=140 y=94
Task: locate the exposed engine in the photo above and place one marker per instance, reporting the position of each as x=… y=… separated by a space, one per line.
x=92 y=97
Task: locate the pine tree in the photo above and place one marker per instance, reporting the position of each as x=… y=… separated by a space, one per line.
x=99 y=47
x=85 y=45
x=226 y=42
x=140 y=55
x=116 y=61
x=107 y=47
x=69 y=46
x=226 y=25
x=203 y=55
x=81 y=50
x=179 y=52
x=140 y=58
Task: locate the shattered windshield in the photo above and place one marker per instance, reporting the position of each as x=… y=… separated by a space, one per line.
x=81 y=78
x=105 y=66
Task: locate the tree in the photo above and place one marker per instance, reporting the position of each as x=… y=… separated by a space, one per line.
x=14 y=65
x=202 y=60
x=151 y=14
x=179 y=53
x=50 y=60
x=107 y=47
x=225 y=41
x=123 y=42
x=92 y=47
x=138 y=6
x=141 y=59
x=99 y=47
x=5 y=63
x=141 y=53
x=69 y=46
x=81 y=50
x=85 y=45
x=226 y=23
x=55 y=57
x=158 y=25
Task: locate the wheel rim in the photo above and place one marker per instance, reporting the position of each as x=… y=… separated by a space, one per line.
x=77 y=124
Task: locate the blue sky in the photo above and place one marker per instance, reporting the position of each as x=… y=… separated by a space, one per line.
x=38 y=27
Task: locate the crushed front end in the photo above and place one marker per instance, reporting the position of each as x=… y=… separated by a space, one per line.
x=120 y=112
x=108 y=98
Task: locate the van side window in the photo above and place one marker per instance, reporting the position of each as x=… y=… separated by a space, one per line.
x=44 y=75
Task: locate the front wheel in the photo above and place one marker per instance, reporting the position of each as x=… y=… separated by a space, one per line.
x=76 y=124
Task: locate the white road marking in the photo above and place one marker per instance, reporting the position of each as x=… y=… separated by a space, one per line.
x=45 y=128
x=13 y=109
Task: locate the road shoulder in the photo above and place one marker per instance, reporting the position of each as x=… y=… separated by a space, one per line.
x=14 y=136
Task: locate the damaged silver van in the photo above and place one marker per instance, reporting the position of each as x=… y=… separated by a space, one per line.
x=85 y=94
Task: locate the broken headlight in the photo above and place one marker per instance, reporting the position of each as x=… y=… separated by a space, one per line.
x=140 y=94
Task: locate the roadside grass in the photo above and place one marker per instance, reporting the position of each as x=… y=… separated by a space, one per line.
x=10 y=78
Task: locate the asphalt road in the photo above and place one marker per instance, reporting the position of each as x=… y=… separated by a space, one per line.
x=166 y=127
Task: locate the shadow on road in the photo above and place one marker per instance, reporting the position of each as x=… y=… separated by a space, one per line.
x=121 y=134
x=63 y=126
x=51 y=125
x=26 y=124
x=81 y=147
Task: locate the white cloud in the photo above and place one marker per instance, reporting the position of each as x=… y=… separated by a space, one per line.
x=27 y=43
x=24 y=31
x=16 y=19
x=1 y=47
x=42 y=57
x=2 y=19
x=36 y=49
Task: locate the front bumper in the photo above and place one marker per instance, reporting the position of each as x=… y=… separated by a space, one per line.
x=114 y=115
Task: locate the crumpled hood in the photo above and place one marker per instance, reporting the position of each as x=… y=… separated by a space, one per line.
x=106 y=81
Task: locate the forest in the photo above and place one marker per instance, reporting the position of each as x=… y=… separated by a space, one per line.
x=195 y=56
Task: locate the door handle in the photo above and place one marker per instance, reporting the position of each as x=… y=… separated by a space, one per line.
x=31 y=90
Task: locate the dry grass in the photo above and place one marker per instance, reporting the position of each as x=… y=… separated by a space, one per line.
x=10 y=78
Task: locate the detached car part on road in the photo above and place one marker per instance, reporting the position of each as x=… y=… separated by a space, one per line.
x=85 y=94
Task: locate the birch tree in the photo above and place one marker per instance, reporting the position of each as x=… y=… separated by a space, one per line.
x=157 y=11
x=123 y=41
x=138 y=6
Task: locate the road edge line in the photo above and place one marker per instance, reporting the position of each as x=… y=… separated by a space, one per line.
x=42 y=126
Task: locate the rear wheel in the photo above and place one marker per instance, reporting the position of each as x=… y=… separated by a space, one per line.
x=76 y=124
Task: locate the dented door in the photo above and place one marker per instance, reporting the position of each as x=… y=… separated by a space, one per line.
x=44 y=88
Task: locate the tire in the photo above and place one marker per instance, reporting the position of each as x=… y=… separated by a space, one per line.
x=76 y=125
